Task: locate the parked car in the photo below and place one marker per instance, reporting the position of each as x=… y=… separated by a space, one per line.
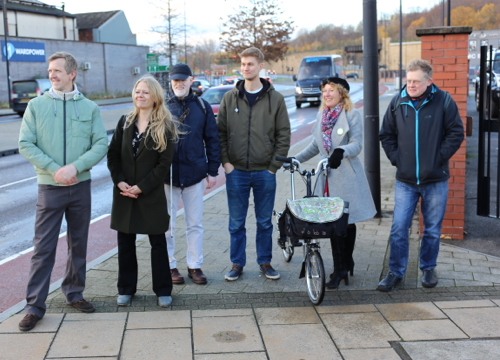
x=214 y=96
x=493 y=86
x=200 y=86
x=353 y=75
x=25 y=90
x=231 y=80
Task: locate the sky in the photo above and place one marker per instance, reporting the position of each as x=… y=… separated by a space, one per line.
x=204 y=17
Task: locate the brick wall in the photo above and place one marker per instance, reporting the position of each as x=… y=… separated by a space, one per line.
x=446 y=48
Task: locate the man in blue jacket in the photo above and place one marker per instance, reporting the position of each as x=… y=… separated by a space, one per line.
x=421 y=131
x=63 y=136
x=196 y=158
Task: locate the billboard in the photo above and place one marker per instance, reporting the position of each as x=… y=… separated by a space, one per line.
x=24 y=51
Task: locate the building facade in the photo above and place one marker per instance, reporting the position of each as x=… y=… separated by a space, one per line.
x=110 y=62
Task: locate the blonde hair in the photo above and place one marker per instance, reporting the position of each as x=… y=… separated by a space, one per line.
x=253 y=51
x=345 y=99
x=161 y=124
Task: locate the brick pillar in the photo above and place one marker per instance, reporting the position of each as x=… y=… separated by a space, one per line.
x=446 y=48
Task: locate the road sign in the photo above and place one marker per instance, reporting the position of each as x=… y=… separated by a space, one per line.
x=157 y=62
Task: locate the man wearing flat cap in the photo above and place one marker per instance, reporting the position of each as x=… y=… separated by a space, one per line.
x=194 y=167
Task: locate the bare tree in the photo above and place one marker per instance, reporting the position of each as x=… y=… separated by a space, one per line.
x=171 y=29
x=204 y=54
x=258 y=25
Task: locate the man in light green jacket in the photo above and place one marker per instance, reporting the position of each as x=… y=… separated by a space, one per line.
x=63 y=136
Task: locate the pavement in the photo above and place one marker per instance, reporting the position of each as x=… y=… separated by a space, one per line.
x=258 y=318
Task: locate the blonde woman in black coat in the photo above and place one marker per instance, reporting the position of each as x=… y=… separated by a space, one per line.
x=139 y=158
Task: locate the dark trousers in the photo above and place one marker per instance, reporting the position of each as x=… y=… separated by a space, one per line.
x=53 y=202
x=128 y=270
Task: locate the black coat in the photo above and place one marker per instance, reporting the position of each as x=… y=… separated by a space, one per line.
x=420 y=142
x=148 y=213
x=197 y=154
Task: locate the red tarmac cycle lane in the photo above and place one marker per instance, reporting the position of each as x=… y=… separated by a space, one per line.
x=14 y=274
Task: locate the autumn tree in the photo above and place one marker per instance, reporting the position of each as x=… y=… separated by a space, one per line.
x=257 y=25
x=411 y=32
x=463 y=16
x=487 y=17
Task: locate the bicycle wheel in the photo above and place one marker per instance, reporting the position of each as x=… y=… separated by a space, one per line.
x=315 y=276
x=288 y=250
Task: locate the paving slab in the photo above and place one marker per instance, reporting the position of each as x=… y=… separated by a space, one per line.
x=453 y=350
x=156 y=344
x=370 y=354
x=230 y=312
x=233 y=356
x=410 y=311
x=226 y=334
x=443 y=329
x=354 y=331
x=346 y=309
x=88 y=338
x=29 y=346
x=290 y=315
x=477 y=323
x=464 y=304
x=303 y=341
x=159 y=319
x=49 y=323
x=90 y=358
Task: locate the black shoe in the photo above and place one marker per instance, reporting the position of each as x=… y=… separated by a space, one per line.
x=28 y=322
x=388 y=283
x=429 y=279
x=335 y=281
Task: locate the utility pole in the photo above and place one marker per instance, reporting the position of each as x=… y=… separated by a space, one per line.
x=370 y=95
x=64 y=22
x=6 y=48
x=400 y=45
x=449 y=13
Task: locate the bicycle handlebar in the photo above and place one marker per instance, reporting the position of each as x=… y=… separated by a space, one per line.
x=322 y=164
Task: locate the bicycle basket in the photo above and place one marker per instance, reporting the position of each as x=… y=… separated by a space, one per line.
x=314 y=218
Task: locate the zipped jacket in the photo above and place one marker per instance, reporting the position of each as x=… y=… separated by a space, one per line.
x=197 y=153
x=56 y=132
x=420 y=142
x=252 y=137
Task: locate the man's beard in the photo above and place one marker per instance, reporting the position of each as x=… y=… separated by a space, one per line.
x=181 y=93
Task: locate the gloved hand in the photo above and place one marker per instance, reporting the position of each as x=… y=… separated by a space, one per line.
x=336 y=157
x=286 y=165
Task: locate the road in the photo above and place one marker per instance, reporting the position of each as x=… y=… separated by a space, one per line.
x=18 y=188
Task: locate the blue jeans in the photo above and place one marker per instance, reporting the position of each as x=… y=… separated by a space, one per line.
x=238 y=185
x=433 y=207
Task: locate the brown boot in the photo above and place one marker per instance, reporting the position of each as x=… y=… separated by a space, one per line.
x=197 y=276
x=177 y=278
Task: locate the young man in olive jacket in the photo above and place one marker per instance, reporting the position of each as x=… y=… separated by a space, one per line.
x=254 y=128
x=63 y=136
x=196 y=162
x=421 y=131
